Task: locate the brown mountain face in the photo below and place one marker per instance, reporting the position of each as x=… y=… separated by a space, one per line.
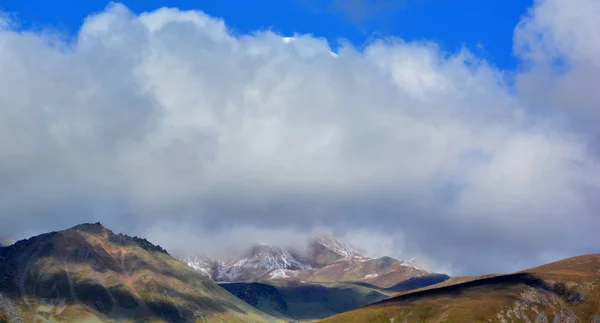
x=381 y=272
x=321 y=255
x=89 y=274
x=563 y=291
x=333 y=261
x=327 y=261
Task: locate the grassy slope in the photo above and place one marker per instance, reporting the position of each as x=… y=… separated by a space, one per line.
x=89 y=274
x=569 y=289
x=304 y=301
x=410 y=284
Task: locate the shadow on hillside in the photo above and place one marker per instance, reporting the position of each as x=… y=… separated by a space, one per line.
x=457 y=289
x=409 y=284
x=303 y=301
x=42 y=284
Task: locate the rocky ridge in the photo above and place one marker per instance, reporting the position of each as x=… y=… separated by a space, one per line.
x=326 y=260
x=90 y=274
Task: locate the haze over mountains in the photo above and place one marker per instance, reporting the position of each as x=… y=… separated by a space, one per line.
x=90 y=274
x=325 y=260
x=175 y=125
x=201 y=136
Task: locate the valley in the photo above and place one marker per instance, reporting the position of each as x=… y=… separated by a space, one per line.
x=90 y=274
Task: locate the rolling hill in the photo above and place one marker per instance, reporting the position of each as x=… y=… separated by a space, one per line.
x=563 y=291
x=90 y=274
x=297 y=301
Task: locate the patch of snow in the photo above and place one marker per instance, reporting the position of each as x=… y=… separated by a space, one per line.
x=283 y=273
x=202 y=264
x=261 y=259
x=371 y=276
x=411 y=263
x=338 y=247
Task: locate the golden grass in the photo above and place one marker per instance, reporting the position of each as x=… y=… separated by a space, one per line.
x=480 y=303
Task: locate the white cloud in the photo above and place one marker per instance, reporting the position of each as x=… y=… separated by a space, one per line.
x=167 y=117
x=560 y=43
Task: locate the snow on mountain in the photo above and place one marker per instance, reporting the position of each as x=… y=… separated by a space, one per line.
x=283 y=273
x=411 y=263
x=326 y=260
x=202 y=264
x=271 y=257
x=258 y=261
x=324 y=251
x=336 y=246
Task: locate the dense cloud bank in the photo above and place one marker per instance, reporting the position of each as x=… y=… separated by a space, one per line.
x=168 y=125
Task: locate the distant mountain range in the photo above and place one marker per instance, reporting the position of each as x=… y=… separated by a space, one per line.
x=329 y=278
x=326 y=260
x=90 y=274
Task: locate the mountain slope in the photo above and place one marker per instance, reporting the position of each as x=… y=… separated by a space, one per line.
x=564 y=291
x=207 y=266
x=382 y=272
x=89 y=274
x=304 y=301
x=258 y=261
x=325 y=250
x=326 y=260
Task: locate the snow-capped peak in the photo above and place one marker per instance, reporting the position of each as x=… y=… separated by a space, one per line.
x=259 y=260
x=203 y=264
x=270 y=257
x=336 y=246
x=411 y=263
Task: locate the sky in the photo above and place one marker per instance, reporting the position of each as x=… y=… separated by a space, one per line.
x=483 y=26
x=459 y=133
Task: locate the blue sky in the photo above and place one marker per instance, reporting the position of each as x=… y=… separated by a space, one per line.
x=486 y=27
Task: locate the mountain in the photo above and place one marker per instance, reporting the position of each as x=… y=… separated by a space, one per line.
x=327 y=260
x=90 y=274
x=325 y=250
x=205 y=265
x=563 y=291
x=257 y=262
x=382 y=272
x=297 y=301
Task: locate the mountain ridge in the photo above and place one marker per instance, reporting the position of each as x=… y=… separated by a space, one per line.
x=89 y=273
x=563 y=291
x=326 y=260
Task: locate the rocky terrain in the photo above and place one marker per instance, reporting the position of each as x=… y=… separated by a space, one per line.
x=90 y=274
x=326 y=260
x=330 y=278
x=564 y=291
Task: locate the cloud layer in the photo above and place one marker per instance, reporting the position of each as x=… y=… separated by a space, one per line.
x=169 y=125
